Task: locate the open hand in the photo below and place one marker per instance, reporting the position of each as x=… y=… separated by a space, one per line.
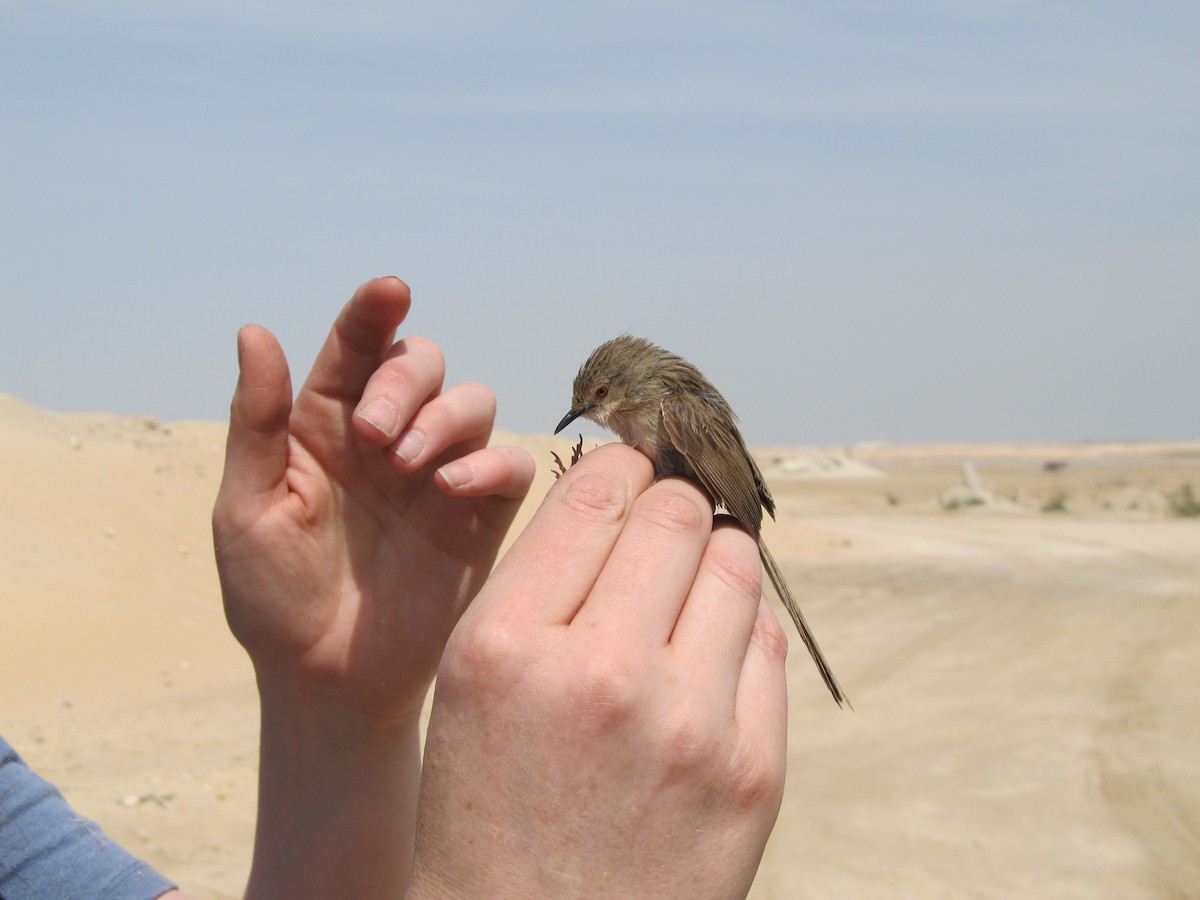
x=345 y=564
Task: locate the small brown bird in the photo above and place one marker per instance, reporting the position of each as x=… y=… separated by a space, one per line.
x=660 y=404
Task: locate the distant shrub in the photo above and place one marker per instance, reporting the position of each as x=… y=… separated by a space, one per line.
x=1183 y=502
x=1056 y=504
x=961 y=502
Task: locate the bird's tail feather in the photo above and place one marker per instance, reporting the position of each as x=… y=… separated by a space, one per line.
x=793 y=608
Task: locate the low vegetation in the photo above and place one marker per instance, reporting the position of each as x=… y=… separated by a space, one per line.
x=1183 y=502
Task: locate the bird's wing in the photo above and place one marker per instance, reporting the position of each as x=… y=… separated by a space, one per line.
x=714 y=448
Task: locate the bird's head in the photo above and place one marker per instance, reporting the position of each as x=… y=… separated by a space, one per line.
x=618 y=380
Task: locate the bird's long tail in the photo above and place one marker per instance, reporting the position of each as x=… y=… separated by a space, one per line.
x=793 y=608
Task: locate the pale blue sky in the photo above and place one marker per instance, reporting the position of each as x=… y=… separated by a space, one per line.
x=863 y=220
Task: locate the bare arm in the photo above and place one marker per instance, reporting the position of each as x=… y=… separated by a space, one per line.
x=344 y=566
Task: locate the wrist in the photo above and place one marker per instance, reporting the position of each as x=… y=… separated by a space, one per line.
x=337 y=798
x=305 y=714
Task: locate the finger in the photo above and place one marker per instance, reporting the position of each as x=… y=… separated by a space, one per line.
x=409 y=375
x=714 y=629
x=554 y=563
x=257 y=444
x=639 y=595
x=762 y=705
x=462 y=415
x=493 y=471
x=361 y=335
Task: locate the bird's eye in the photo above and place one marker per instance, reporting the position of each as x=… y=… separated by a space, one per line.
x=602 y=391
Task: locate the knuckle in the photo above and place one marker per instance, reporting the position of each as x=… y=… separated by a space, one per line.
x=402 y=383
x=736 y=569
x=417 y=344
x=687 y=739
x=482 y=397
x=754 y=777
x=480 y=391
x=770 y=636
x=424 y=353
x=607 y=690
x=593 y=498
x=233 y=519
x=482 y=658
x=674 y=511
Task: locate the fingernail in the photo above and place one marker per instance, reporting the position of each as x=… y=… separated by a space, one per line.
x=457 y=474
x=381 y=415
x=410 y=445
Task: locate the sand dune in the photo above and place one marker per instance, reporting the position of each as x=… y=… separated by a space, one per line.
x=1024 y=669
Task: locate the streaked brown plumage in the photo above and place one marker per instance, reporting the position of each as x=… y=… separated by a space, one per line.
x=660 y=404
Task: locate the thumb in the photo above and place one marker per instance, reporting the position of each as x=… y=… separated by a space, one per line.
x=257 y=447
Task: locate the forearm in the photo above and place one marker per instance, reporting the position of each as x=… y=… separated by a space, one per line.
x=48 y=850
x=337 y=801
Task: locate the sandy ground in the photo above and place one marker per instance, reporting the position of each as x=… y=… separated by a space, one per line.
x=1022 y=647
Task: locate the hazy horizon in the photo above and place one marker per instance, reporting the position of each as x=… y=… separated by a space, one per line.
x=862 y=222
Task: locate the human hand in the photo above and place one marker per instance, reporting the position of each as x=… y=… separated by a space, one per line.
x=611 y=712
x=344 y=568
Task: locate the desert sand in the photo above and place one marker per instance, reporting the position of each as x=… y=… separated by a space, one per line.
x=1021 y=642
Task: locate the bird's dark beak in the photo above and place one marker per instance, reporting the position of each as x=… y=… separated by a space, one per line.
x=571 y=417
